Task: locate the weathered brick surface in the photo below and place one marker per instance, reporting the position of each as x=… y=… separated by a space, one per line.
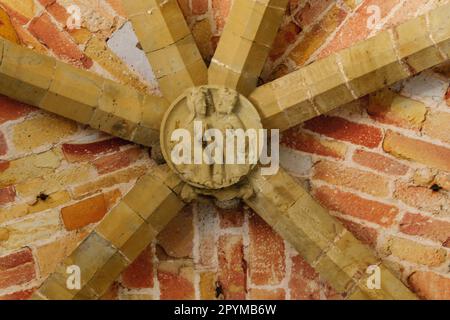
x=139 y=274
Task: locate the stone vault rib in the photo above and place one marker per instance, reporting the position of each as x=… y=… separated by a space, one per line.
x=324 y=243
x=366 y=67
x=168 y=44
x=118 y=240
x=245 y=43
x=79 y=95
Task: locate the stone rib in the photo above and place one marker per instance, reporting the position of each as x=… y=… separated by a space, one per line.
x=366 y=67
x=245 y=43
x=118 y=240
x=324 y=243
x=168 y=44
x=79 y=95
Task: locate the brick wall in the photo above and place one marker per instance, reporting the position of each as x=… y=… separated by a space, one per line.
x=381 y=165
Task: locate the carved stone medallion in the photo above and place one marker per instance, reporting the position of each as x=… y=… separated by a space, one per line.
x=199 y=137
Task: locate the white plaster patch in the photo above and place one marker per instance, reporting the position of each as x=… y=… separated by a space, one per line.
x=425 y=88
x=123 y=43
x=295 y=162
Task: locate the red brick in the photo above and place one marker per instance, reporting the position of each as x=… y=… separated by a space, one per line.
x=90 y=151
x=311 y=12
x=199 y=7
x=117 y=160
x=416 y=150
x=7 y=195
x=139 y=274
x=419 y=225
x=304 y=283
x=175 y=284
x=447 y=97
x=221 y=10
x=17 y=268
x=265 y=294
x=56 y=10
x=58 y=41
x=422 y=198
x=430 y=286
x=231 y=218
x=12 y=110
x=353 y=205
x=4 y=165
x=266 y=257
x=232 y=267
x=19 y=295
x=407 y=11
x=342 y=129
x=316 y=37
x=3 y=145
x=338 y=174
x=364 y=234
x=84 y=212
x=379 y=162
x=299 y=140
x=356 y=28
x=208 y=229
x=286 y=36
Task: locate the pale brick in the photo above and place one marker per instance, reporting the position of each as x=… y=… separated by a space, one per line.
x=41 y=131
x=415 y=252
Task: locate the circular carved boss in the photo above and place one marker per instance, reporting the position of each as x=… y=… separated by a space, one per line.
x=195 y=112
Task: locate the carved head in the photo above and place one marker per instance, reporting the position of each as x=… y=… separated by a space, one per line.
x=227 y=102
x=196 y=101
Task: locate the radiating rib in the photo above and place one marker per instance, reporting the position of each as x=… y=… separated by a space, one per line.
x=117 y=241
x=366 y=67
x=168 y=43
x=79 y=95
x=324 y=243
x=245 y=43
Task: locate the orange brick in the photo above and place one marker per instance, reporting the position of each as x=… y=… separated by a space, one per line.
x=353 y=205
x=58 y=41
x=139 y=274
x=356 y=28
x=17 y=268
x=231 y=218
x=221 y=10
x=12 y=110
x=416 y=150
x=342 y=129
x=117 y=160
x=286 y=36
x=337 y=174
x=264 y=294
x=84 y=212
x=379 y=162
x=266 y=259
x=436 y=126
x=297 y=139
x=90 y=151
x=19 y=295
x=232 y=273
x=430 y=285
x=422 y=198
x=176 y=280
x=7 y=195
x=419 y=225
x=314 y=39
x=304 y=283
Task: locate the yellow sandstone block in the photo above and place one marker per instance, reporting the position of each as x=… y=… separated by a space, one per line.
x=91 y=255
x=415 y=45
x=119 y=225
x=73 y=94
x=372 y=64
x=110 y=272
x=24 y=74
x=119 y=110
x=439 y=23
x=138 y=242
